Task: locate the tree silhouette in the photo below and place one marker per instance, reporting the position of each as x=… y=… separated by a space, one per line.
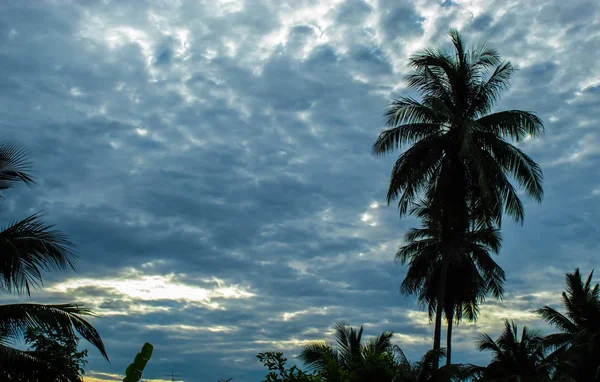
x=459 y=158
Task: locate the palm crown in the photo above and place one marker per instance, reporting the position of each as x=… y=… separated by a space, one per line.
x=515 y=359
x=472 y=273
x=350 y=360
x=459 y=159
x=577 y=346
x=453 y=133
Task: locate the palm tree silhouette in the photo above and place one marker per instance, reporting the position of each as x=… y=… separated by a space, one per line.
x=577 y=346
x=515 y=359
x=30 y=247
x=458 y=156
x=424 y=370
x=350 y=360
x=472 y=274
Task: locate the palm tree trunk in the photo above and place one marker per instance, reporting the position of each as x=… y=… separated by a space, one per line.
x=450 y=318
x=437 y=335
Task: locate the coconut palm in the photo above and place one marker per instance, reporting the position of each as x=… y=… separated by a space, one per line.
x=459 y=156
x=351 y=360
x=577 y=346
x=30 y=247
x=425 y=371
x=515 y=359
x=472 y=274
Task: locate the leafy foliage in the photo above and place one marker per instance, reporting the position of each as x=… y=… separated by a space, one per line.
x=351 y=360
x=577 y=345
x=515 y=359
x=57 y=351
x=30 y=247
x=472 y=273
x=275 y=362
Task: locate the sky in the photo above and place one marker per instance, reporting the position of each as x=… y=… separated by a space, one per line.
x=211 y=160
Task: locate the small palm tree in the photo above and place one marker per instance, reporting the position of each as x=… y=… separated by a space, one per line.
x=514 y=359
x=350 y=360
x=459 y=158
x=577 y=346
x=425 y=371
x=28 y=248
x=472 y=274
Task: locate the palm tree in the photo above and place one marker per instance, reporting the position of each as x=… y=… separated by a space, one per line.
x=424 y=370
x=30 y=247
x=459 y=157
x=351 y=360
x=471 y=275
x=514 y=359
x=578 y=343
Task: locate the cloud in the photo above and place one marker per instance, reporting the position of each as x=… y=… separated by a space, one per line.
x=212 y=162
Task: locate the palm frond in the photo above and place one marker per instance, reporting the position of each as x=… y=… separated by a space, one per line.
x=484 y=57
x=394 y=138
x=459 y=48
x=429 y=359
x=12 y=356
x=399 y=353
x=514 y=161
x=486 y=342
x=407 y=110
x=29 y=247
x=504 y=193
x=416 y=234
x=14 y=165
x=413 y=170
x=514 y=124
x=16 y=318
x=316 y=355
x=424 y=248
x=382 y=342
x=488 y=237
x=556 y=319
x=489 y=91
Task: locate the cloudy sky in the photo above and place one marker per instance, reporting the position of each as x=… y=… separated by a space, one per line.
x=211 y=160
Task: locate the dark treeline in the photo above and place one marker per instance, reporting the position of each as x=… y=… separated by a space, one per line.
x=518 y=355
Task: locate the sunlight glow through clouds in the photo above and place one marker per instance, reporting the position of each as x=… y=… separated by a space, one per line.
x=369 y=218
x=285 y=344
x=156 y=287
x=190 y=328
x=287 y=316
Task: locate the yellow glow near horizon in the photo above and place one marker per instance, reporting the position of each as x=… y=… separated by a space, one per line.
x=116 y=378
x=190 y=328
x=138 y=286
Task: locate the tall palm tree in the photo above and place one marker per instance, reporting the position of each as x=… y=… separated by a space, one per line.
x=515 y=359
x=28 y=248
x=472 y=274
x=350 y=360
x=459 y=157
x=578 y=343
